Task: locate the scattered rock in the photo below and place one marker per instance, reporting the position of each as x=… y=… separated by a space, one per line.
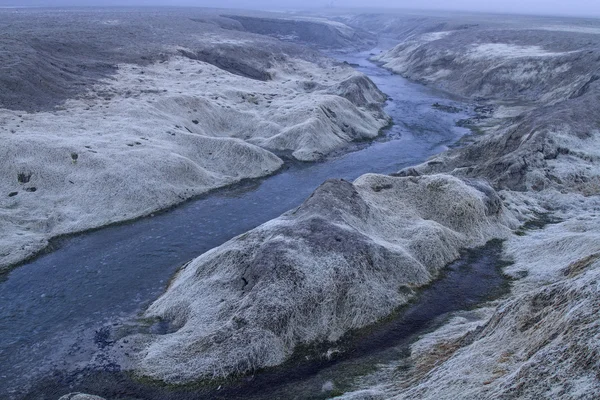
x=23 y=177
x=446 y=108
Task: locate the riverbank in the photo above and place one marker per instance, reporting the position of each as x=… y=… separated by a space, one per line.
x=200 y=108
x=538 y=146
x=321 y=372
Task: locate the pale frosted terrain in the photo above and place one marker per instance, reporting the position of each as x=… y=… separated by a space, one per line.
x=506 y=51
x=151 y=136
x=347 y=257
x=541 y=341
x=325 y=32
x=354 y=252
x=490 y=65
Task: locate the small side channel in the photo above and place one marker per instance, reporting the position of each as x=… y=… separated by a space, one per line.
x=319 y=372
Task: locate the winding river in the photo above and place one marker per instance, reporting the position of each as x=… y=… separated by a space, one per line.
x=60 y=309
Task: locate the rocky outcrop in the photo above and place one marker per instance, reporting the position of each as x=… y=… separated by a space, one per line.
x=495 y=64
x=344 y=259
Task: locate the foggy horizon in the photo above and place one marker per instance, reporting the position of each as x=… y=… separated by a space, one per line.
x=581 y=8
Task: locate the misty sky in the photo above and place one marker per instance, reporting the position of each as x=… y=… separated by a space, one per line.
x=557 y=7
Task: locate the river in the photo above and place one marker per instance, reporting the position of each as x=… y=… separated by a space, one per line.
x=57 y=308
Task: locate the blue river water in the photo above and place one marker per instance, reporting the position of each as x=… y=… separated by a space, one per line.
x=54 y=307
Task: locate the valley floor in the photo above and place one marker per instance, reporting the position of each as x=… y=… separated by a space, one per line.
x=352 y=252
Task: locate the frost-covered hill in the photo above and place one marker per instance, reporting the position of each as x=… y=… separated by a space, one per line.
x=132 y=111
